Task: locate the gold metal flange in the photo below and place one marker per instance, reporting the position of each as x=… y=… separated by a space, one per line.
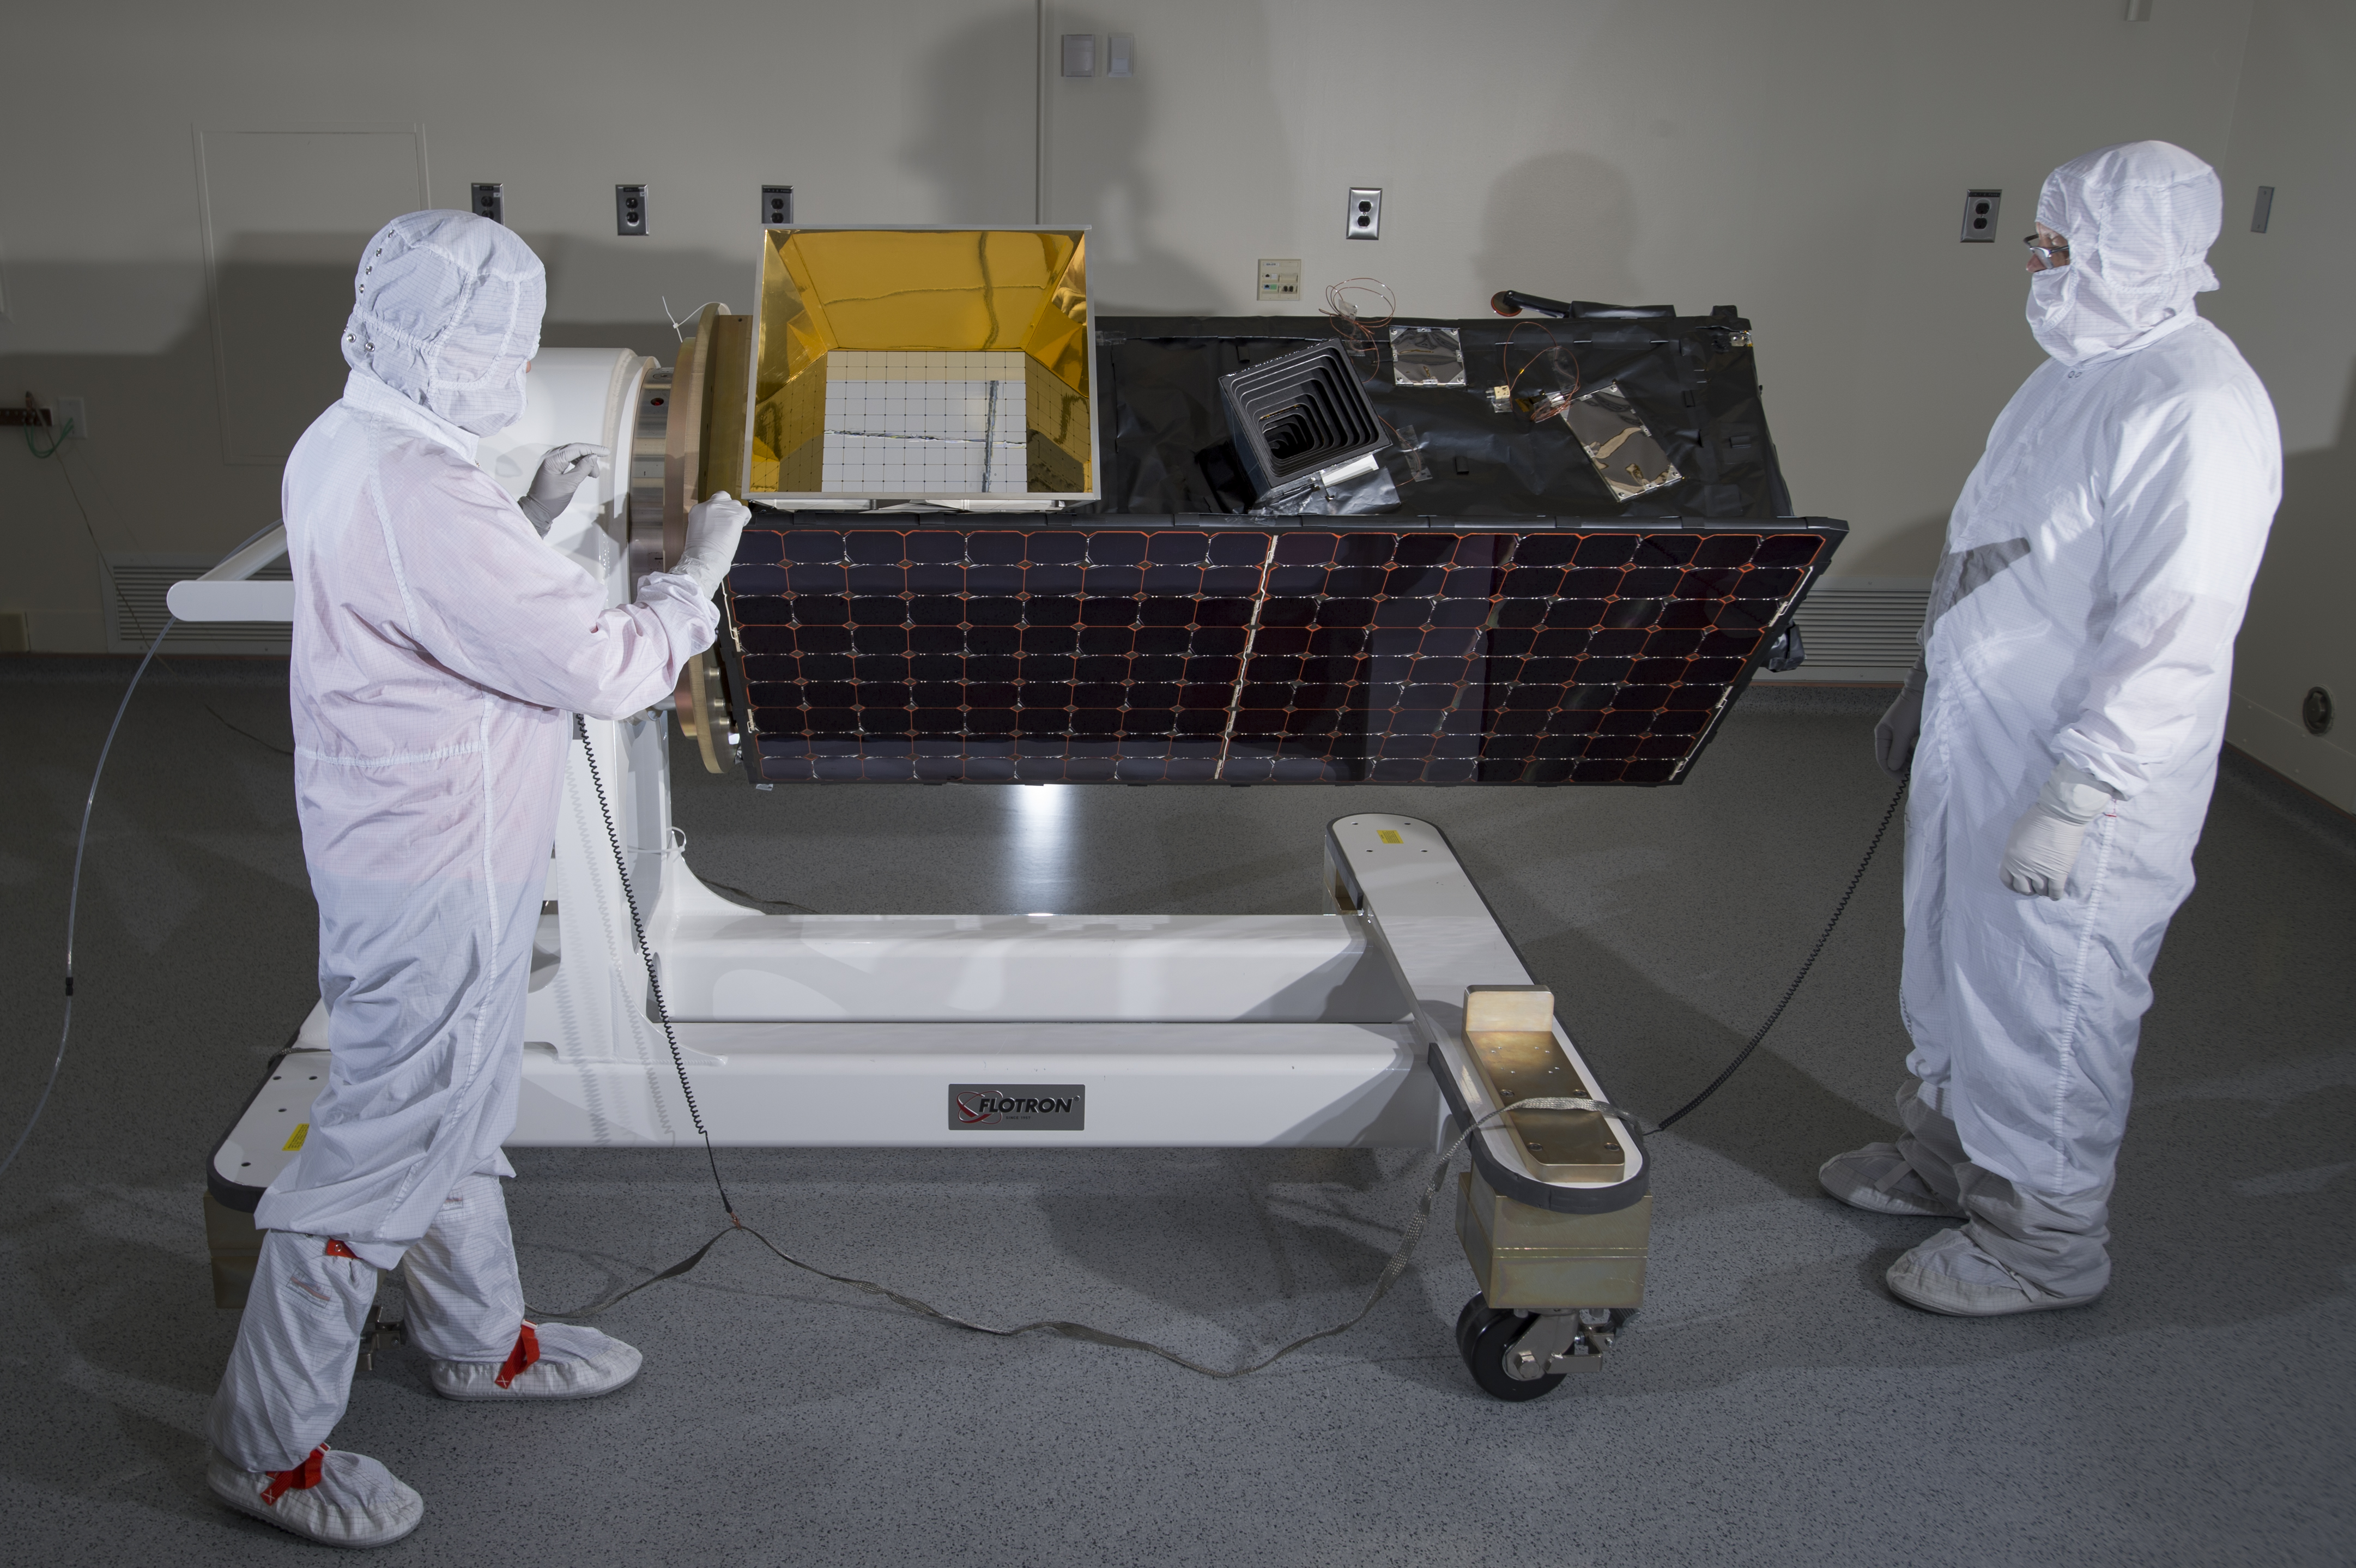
x=702 y=702
x=705 y=451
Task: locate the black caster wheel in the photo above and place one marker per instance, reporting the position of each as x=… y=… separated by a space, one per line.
x=1483 y=1335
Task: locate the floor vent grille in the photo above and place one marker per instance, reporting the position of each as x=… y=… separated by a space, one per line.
x=134 y=584
x=1860 y=628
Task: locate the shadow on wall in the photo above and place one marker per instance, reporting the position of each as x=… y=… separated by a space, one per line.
x=630 y=270
x=1098 y=132
x=2308 y=555
x=150 y=477
x=1560 y=225
x=968 y=77
x=1905 y=550
x=2301 y=587
x=159 y=426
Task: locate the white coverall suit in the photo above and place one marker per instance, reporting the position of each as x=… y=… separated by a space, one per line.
x=439 y=650
x=2095 y=573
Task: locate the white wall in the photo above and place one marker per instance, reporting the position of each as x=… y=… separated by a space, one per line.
x=2286 y=304
x=1805 y=160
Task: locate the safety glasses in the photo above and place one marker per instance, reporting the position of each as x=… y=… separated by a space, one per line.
x=2054 y=255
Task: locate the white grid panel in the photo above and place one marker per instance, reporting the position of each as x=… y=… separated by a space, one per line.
x=925 y=423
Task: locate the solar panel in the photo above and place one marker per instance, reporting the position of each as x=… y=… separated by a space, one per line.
x=1249 y=650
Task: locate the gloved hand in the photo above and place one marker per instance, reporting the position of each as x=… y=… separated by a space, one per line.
x=713 y=526
x=2043 y=848
x=562 y=472
x=1901 y=725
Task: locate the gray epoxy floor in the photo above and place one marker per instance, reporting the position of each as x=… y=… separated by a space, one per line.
x=1770 y=1404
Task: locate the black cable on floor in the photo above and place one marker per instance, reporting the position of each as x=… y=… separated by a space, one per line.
x=240 y=729
x=1807 y=964
x=1392 y=1269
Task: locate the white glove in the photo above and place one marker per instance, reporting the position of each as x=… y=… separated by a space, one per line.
x=713 y=526
x=562 y=472
x=2043 y=848
x=1901 y=725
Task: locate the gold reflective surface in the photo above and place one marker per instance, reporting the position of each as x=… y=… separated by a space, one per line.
x=1560 y=1146
x=923 y=294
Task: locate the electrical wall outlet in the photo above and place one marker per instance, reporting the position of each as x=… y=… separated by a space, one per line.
x=776 y=206
x=1365 y=217
x=630 y=209
x=1979 y=215
x=490 y=201
x=73 y=412
x=1279 y=277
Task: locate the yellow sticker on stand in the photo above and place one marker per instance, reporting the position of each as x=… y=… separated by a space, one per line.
x=294 y=1138
x=1389 y=835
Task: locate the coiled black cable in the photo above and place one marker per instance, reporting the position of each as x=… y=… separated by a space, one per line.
x=654 y=976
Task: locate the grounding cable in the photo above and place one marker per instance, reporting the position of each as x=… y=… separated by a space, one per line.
x=1410 y=1240
x=81 y=843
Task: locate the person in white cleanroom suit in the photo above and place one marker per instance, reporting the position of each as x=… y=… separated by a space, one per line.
x=440 y=649
x=2063 y=728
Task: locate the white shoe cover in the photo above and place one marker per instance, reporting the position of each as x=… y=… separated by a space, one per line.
x=1949 y=1273
x=1877 y=1179
x=575 y=1363
x=358 y=1501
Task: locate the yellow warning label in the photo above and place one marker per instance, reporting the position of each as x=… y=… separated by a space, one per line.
x=1389 y=835
x=294 y=1138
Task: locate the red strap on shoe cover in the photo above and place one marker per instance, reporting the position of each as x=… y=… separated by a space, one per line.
x=337 y=1249
x=526 y=1351
x=301 y=1478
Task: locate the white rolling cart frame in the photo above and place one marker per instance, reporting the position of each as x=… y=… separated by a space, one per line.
x=1341 y=1029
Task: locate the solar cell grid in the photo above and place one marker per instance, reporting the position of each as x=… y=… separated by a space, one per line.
x=1246 y=655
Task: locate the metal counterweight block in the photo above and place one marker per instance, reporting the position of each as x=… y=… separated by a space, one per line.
x=1528 y=1257
x=1525 y=1256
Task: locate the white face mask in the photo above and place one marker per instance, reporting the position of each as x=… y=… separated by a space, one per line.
x=2051 y=300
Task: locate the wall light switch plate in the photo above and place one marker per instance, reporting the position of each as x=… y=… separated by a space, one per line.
x=490 y=201
x=1364 y=219
x=1979 y=215
x=1279 y=277
x=776 y=206
x=1080 y=54
x=1119 y=49
x=630 y=209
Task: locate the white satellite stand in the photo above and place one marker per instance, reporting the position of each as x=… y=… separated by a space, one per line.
x=1400 y=1011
